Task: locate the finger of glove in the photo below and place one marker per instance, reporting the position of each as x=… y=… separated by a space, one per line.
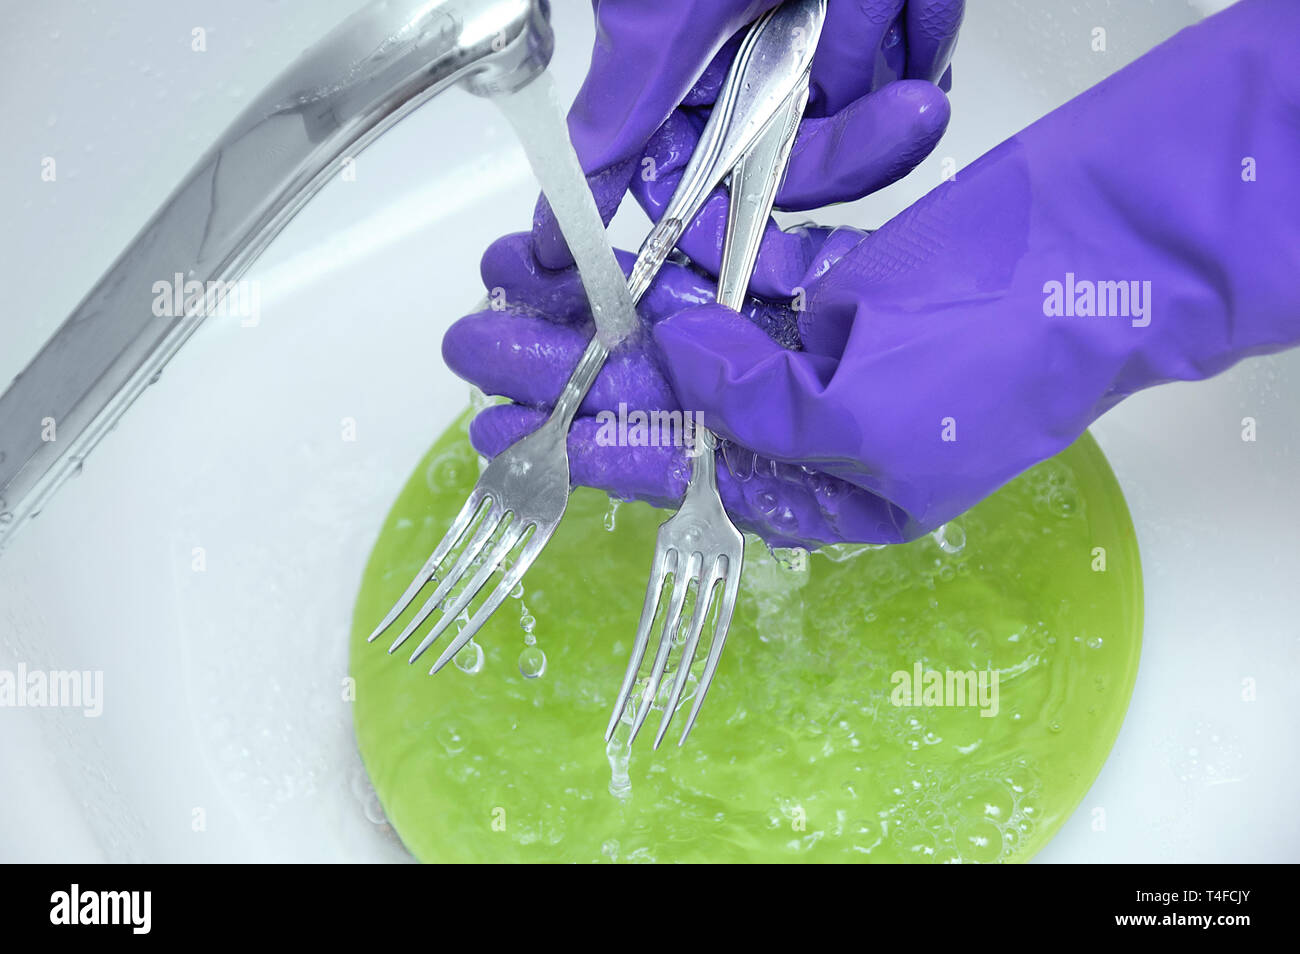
x=608 y=187
x=785 y=504
x=656 y=475
x=516 y=282
x=645 y=61
x=783 y=256
x=753 y=391
x=530 y=359
x=609 y=184
x=850 y=58
x=873 y=142
x=869 y=144
x=932 y=27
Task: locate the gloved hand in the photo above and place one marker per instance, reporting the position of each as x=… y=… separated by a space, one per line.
x=527 y=350
x=979 y=332
x=644 y=69
x=976 y=333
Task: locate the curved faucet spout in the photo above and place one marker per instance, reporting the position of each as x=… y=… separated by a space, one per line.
x=337 y=98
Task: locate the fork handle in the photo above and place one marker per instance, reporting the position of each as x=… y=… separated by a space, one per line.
x=579 y=383
x=754 y=184
x=704 y=465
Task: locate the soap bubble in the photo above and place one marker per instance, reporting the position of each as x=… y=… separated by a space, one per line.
x=950 y=537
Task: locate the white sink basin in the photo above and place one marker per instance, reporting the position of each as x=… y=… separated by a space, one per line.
x=224 y=733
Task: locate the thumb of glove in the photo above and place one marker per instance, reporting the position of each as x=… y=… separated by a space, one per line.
x=749 y=388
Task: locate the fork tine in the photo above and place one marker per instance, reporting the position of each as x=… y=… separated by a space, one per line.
x=500 y=550
x=715 y=647
x=682 y=579
x=491 y=523
x=703 y=600
x=651 y=606
x=449 y=539
x=507 y=584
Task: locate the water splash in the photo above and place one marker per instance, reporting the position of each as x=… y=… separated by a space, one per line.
x=618 y=751
x=833 y=768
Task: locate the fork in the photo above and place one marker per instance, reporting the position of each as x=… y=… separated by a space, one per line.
x=524 y=490
x=519 y=499
x=522 y=494
x=699 y=545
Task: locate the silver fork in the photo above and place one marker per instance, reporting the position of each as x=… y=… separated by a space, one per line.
x=699 y=545
x=524 y=490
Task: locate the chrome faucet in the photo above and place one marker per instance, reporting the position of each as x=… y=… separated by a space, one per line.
x=338 y=97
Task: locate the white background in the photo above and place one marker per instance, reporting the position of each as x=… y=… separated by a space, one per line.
x=222 y=688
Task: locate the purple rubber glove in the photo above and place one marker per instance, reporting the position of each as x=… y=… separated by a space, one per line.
x=667 y=58
x=867 y=146
x=526 y=346
x=969 y=338
x=527 y=349
x=953 y=348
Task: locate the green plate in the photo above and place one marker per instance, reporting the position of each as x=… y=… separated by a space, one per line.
x=818 y=742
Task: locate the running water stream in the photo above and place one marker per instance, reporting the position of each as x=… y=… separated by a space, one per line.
x=538 y=119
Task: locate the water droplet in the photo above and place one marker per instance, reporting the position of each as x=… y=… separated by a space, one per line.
x=450 y=738
x=785 y=520
x=532 y=662
x=611 y=515
x=739 y=461
x=950 y=537
x=470 y=658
